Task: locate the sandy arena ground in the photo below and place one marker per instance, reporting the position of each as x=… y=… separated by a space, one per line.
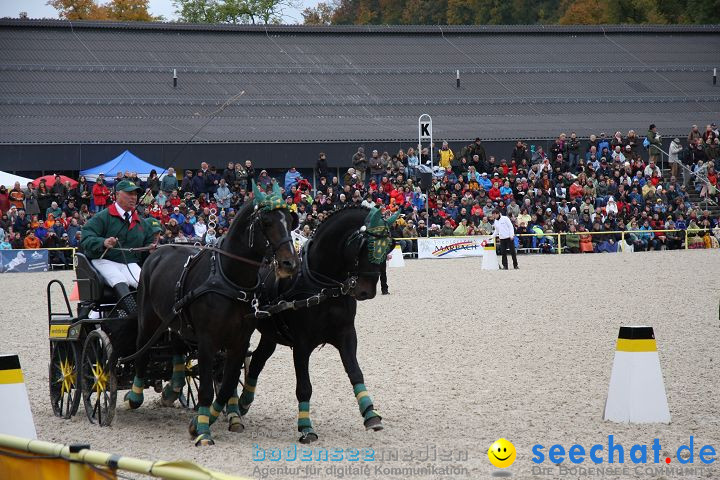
x=454 y=359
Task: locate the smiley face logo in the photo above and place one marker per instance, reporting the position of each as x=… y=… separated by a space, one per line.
x=502 y=453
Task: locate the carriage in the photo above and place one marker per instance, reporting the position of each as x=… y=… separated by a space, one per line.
x=91 y=353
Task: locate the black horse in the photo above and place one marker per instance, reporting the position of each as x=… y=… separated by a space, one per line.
x=205 y=296
x=340 y=265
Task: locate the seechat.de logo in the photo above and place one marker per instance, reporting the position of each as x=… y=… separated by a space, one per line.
x=612 y=452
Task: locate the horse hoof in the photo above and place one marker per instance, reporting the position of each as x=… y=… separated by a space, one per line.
x=308 y=437
x=374 y=424
x=169 y=396
x=193 y=428
x=236 y=425
x=131 y=404
x=204 y=440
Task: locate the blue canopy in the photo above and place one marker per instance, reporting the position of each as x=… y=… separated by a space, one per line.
x=123 y=162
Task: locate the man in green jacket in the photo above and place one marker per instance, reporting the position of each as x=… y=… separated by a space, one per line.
x=118 y=226
x=169 y=182
x=655 y=144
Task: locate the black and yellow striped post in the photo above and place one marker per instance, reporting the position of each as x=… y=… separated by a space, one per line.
x=637 y=391
x=15 y=415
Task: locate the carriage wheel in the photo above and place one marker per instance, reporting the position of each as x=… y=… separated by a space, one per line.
x=97 y=378
x=63 y=379
x=189 y=393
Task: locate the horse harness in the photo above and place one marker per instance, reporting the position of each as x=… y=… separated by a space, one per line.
x=307 y=283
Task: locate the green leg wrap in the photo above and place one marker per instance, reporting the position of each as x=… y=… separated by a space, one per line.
x=171 y=391
x=200 y=426
x=134 y=398
x=215 y=410
x=304 y=416
x=233 y=405
x=178 y=376
x=365 y=403
x=233 y=413
x=305 y=424
x=248 y=395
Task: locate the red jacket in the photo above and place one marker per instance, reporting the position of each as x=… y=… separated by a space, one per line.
x=100 y=194
x=576 y=190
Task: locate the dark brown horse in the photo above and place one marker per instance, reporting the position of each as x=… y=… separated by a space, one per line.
x=341 y=264
x=204 y=296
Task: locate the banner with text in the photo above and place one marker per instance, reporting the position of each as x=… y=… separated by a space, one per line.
x=12 y=261
x=452 y=247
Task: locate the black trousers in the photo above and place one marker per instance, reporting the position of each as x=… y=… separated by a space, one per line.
x=383 y=278
x=505 y=245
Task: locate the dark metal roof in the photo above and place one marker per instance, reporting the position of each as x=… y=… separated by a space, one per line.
x=100 y=82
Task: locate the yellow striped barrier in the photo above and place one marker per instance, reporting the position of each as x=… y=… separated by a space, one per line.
x=27 y=459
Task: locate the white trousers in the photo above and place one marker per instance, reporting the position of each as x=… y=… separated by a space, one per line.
x=115 y=272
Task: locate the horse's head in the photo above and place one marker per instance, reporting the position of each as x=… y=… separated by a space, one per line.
x=273 y=221
x=367 y=250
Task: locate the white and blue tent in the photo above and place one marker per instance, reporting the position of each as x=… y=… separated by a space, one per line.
x=123 y=162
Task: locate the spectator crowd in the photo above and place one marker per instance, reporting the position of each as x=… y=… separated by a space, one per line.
x=580 y=188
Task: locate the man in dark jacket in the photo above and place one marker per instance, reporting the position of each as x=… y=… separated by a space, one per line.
x=198 y=184
x=360 y=163
x=322 y=166
x=212 y=180
x=520 y=153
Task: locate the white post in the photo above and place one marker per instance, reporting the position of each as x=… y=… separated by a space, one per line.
x=425 y=132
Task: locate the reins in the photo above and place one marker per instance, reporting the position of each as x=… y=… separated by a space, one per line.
x=149 y=248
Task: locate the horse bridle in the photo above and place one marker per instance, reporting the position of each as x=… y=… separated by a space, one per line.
x=355 y=243
x=257 y=217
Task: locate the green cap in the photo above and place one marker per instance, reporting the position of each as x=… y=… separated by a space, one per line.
x=127 y=186
x=153 y=224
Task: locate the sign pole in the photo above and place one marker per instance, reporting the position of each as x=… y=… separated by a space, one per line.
x=425 y=133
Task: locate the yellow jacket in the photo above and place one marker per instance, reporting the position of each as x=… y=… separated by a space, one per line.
x=446 y=156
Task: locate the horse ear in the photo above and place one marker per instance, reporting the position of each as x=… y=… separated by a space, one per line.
x=374 y=217
x=259 y=196
x=276 y=189
x=393 y=218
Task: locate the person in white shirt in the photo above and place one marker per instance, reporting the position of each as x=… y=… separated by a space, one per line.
x=504 y=229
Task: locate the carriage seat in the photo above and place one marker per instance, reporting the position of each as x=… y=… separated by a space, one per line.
x=91 y=285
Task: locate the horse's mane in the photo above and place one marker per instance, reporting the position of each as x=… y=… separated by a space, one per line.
x=351 y=207
x=241 y=217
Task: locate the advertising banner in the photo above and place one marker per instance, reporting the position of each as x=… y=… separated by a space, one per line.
x=15 y=261
x=452 y=247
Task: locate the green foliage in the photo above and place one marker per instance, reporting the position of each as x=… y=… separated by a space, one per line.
x=232 y=11
x=518 y=12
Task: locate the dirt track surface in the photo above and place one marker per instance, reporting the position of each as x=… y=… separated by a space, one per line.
x=454 y=359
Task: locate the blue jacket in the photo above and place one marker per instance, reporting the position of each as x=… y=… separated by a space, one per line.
x=179 y=217
x=198 y=185
x=291 y=178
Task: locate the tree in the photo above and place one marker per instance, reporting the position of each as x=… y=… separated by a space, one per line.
x=120 y=10
x=79 y=9
x=232 y=11
x=129 y=10
x=322 y=14
x=585 y=12
x=196 y=11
